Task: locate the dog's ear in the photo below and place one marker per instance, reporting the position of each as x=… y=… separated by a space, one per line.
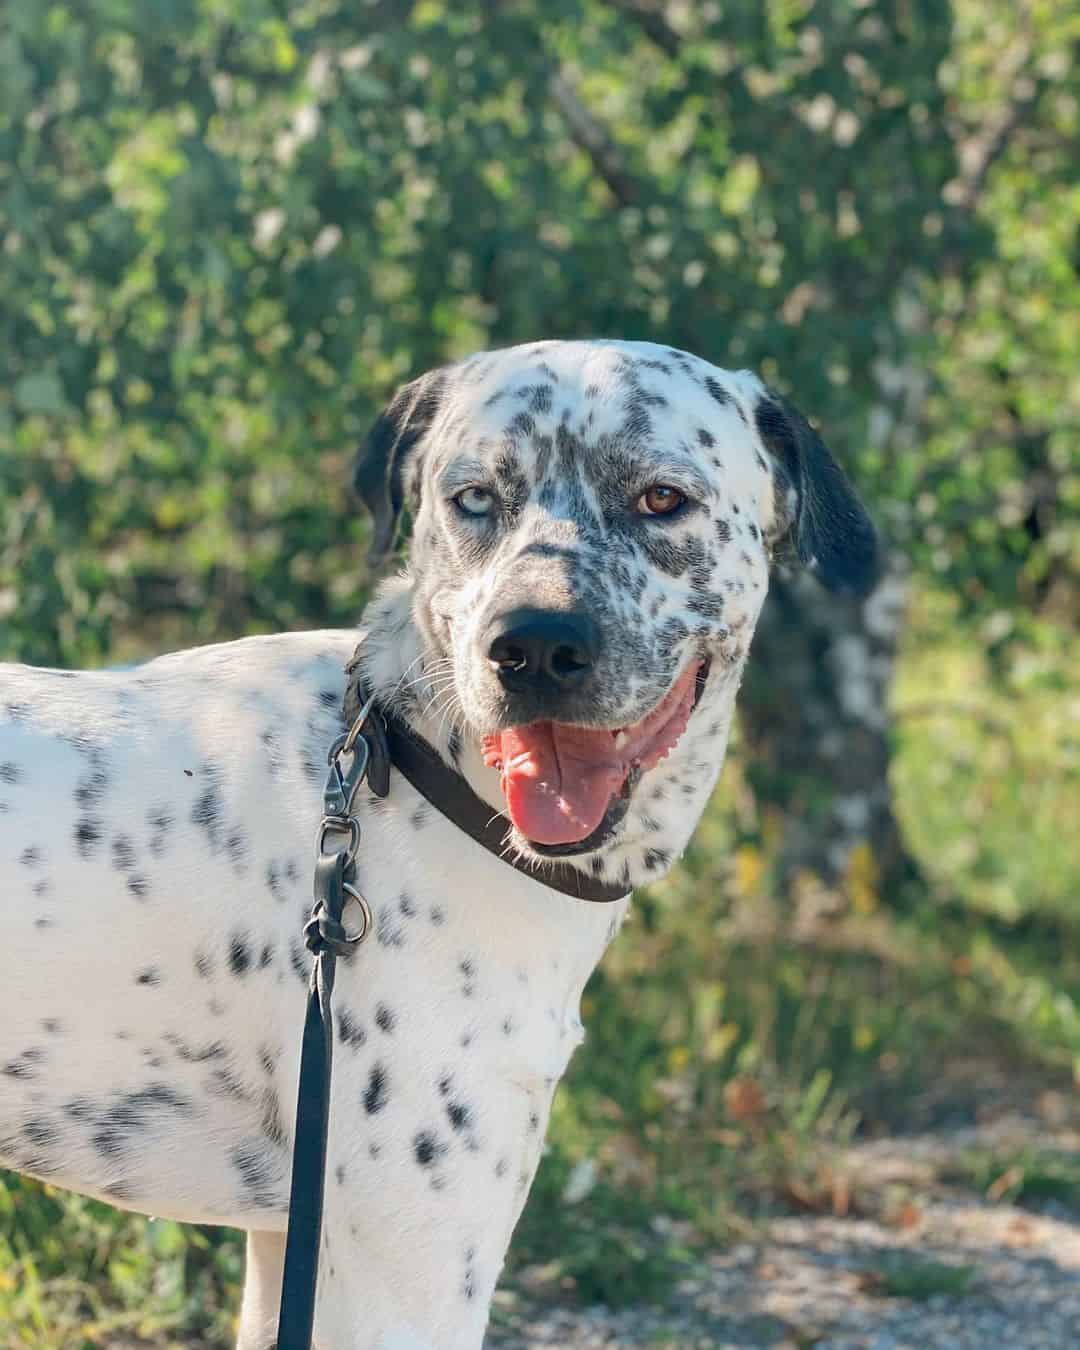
x=386 y=473
x=829 y=526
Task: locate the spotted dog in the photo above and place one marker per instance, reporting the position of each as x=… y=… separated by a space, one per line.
x=592 y=527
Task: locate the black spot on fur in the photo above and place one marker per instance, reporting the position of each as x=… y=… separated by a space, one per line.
x=427 y=1148
x=239 y=954
x=32 y=856
x=88 y=833
x=92 y=788
x=717 y=391
x=257 y=1173
x=151 y=977
x=226 y=1084
x=24 y=1065
x=350 y=1032
x=40 y=1133
x=204 y=965
x=468 y=1284
x=123 y=853
x=389 y=932
x=120 y=1124
x=271 y=1123
x=9 y=772
x=384 y=1018
x=236 y=847
x=161 y=820
x=459 y=1115
x=138 y=886
x=207 y=812
x=192 y=1055
x=273 y=881
x=299 y=960
x=377 y=1091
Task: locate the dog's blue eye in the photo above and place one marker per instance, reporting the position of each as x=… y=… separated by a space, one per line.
x=476 y=501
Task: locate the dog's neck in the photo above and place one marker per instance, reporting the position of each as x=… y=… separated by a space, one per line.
x=408 y=679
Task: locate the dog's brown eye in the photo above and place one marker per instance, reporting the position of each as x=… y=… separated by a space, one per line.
x=660 y=500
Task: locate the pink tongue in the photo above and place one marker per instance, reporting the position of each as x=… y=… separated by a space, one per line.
x=559 y=779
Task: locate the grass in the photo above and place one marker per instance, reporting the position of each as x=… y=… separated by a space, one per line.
x=902 y=1275
x=1027 y=1176
x=725 y=1061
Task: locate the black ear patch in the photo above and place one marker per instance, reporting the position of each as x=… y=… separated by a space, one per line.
x=832 y=533
x=386 y=463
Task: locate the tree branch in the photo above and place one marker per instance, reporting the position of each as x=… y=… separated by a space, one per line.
x=590 y=134
x=978 y=154
x=649 y=17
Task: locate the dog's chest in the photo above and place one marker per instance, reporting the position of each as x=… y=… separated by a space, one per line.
x=157 y=849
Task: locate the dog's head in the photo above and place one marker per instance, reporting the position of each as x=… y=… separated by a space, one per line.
x=592 y=529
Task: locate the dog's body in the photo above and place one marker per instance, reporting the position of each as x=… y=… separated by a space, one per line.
x=156 y=828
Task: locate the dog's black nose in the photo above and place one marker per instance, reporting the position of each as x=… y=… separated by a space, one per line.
x=531 y=647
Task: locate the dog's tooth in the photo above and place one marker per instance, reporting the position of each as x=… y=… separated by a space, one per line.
x=620 y=739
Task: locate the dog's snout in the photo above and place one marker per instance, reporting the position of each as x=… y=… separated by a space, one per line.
x=531 y=647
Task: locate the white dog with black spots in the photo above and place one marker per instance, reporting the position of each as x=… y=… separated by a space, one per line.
x=592 y=528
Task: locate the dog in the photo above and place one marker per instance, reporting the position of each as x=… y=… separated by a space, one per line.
x=592 y=526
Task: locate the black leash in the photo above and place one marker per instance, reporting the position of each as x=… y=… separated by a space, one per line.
x=374 y=741
x=327 y=938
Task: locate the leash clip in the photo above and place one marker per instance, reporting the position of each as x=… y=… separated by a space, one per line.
x=342 y=785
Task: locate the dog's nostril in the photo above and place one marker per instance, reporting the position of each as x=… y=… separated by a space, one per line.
x=509 y=656
x=566 y=661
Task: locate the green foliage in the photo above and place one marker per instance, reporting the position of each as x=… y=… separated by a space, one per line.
x=75 y=1273
x=225 y=238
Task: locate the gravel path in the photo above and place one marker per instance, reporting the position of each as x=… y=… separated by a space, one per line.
x=1014 y=1274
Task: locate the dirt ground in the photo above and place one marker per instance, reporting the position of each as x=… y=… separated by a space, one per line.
x=929 y=1257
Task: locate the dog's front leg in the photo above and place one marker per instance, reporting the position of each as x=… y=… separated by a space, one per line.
x=419 y=1212
x=262 y=1291
x=413 y=1282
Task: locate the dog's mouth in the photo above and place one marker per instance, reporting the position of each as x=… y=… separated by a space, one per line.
x=567 y=787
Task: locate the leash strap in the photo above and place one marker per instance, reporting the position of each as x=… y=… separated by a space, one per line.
x=327 y=937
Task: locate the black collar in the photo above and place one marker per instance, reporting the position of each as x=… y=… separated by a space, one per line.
x=393 y=742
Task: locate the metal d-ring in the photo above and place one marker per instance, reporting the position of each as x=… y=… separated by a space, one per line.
x=341 y=824
x=365 y=911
